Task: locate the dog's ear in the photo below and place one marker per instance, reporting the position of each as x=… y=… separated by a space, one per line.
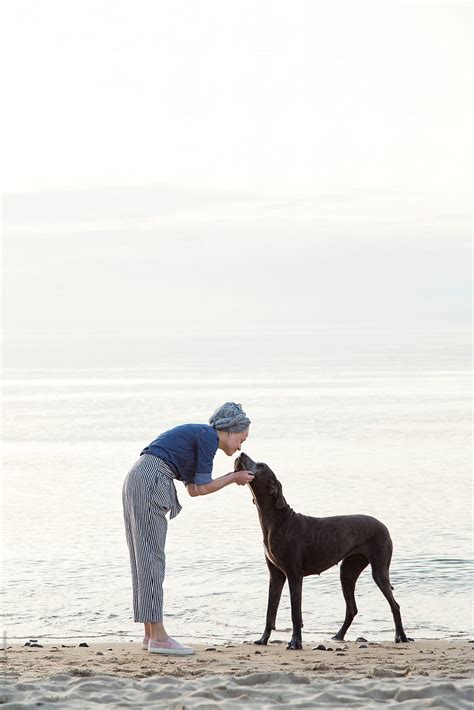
x=276 y=491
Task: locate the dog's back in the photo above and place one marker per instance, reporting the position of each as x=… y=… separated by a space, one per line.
x=312 y=545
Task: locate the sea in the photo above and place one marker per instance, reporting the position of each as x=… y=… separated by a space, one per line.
x=351 y=419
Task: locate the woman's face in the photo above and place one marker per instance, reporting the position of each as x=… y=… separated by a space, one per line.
x=231 y=442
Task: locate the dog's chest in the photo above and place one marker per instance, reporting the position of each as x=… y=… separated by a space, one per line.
x=269 y=554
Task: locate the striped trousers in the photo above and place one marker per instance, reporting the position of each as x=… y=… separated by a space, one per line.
x=147 y=496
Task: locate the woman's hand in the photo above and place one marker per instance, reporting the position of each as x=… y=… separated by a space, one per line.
x=243 y=477
x=239 y=477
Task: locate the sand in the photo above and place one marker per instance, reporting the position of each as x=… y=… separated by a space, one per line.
x=354 y=674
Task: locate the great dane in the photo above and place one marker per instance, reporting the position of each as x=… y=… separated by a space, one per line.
x=299 y=545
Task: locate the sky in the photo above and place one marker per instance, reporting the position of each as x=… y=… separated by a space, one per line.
x=265 y=96
x=203 y=165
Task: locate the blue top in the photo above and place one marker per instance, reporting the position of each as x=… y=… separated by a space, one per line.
x=189 y=450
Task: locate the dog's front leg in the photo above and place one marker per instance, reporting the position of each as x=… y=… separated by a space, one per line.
x=277 y=580
x=296 y=587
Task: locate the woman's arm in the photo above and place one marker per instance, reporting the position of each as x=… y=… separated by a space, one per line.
x=239 y=477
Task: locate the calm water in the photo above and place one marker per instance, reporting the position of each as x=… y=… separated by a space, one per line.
x=386 y=436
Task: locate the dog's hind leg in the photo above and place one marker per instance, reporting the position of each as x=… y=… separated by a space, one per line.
x=277 y=580
x=351 y=567
x=382 y=580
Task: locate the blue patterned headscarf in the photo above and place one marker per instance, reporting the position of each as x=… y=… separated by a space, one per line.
x=230 y=417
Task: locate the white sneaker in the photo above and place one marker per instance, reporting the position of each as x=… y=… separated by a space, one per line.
x=170 y=647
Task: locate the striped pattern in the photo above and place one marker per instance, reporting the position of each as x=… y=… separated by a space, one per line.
x=148 y=494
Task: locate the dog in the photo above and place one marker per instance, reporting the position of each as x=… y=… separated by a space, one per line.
x=299 y=545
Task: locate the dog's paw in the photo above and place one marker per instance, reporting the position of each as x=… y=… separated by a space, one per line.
x=261 y=642
x=402 y=638
x=294 y=645
x=337 y=637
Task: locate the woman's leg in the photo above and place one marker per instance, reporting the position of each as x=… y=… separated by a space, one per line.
x=149 y=543
x=129 y=532
x=155 y=631
x=145 y=509
x=146 y=527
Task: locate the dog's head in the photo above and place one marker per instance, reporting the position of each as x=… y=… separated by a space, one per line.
x=265 y=485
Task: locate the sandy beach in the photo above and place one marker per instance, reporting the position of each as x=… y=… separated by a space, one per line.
x=356 y=674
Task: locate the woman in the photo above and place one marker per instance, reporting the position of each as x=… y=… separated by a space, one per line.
x=185 y=453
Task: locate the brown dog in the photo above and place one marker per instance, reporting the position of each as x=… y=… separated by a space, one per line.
x=298 y=545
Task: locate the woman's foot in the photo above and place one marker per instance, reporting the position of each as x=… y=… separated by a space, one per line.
x=145 y=643
x=170 y=647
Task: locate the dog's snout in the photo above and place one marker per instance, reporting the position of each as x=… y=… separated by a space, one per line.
x=244 y=463
x=238 y=466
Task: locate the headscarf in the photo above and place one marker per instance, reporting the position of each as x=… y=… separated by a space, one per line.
x=230 y=417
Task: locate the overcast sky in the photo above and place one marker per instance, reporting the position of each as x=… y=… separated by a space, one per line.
x=247 y=95
x=226 y=163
